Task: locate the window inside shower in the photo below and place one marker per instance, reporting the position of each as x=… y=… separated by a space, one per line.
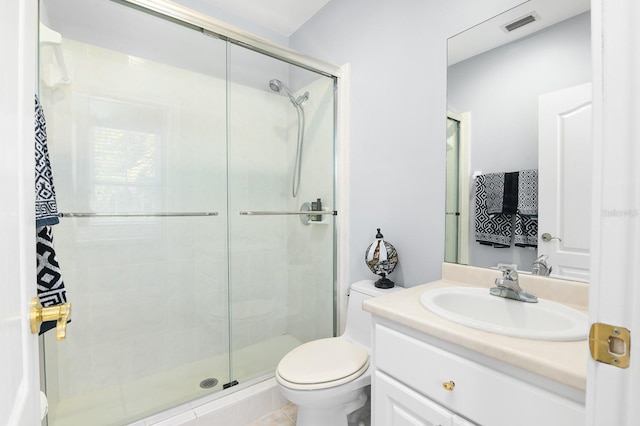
x=181 y=247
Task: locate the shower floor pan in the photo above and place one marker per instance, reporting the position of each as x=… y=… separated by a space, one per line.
x=120 y=405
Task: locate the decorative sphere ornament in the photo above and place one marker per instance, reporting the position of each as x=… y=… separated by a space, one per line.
x=381 y=258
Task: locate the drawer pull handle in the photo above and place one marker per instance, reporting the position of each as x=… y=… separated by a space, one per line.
x=448 y=386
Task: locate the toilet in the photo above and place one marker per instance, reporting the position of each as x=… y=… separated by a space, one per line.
x=328 y=379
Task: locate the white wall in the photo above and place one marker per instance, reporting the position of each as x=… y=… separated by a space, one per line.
x=500 y=89
x=397 y=52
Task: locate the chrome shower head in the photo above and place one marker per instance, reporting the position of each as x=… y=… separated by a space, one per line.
x=276 y=85
x=279 y=87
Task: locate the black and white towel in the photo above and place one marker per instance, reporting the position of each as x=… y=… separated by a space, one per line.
x=502 y=192
x=510 y=196
x=51 y=290
x=494 y=190
x=526 y=224
x=525 y=232
x=528 y=193
x=46 y=207
x=494 y=230
x=50 y=286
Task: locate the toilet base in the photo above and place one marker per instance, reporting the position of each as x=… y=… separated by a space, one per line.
x=347 y=414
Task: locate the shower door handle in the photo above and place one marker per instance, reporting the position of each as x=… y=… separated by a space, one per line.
x=283 y=213
x=138 y=214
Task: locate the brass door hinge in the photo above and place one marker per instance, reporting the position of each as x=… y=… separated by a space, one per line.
x=610 y=344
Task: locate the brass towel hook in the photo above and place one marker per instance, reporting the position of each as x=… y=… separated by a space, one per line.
x=58 y=313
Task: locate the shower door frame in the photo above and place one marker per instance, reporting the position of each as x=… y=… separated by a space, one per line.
x=233 y=34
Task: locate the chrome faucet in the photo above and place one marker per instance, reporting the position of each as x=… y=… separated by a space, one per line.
x=509 y=287
x=541 y=266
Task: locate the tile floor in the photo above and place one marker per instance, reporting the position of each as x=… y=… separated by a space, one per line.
x=285 y=416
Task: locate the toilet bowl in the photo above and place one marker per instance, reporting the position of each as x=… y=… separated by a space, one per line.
x=329 y=379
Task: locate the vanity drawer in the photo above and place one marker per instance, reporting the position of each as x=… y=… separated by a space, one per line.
x=487 y=397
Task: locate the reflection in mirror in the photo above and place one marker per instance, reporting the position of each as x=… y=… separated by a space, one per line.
x=452 y=210
x=498 y=94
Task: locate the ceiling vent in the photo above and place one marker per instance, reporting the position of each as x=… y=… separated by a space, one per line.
x=521 y=22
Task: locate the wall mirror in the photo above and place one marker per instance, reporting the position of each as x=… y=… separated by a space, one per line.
x=518 y=100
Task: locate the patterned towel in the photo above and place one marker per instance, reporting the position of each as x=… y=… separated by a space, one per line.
x=51 y=290
x=525 y=233
x=494 y=190
x=526 y=225
x=502 y=192
x=46 y=208
x=528 y=193
x=50 y=286
x=494 y=229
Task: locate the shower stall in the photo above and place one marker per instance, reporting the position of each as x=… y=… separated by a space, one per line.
x=180 y=175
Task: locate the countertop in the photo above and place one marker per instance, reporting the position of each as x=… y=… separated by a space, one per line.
x=563 y=362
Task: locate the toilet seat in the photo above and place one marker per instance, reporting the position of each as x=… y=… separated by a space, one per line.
x=322 y=363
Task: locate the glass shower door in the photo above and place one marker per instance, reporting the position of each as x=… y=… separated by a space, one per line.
x=281 y=119
x=137 y=138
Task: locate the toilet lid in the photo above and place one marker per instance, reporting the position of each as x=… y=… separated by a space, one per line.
x=323 y=361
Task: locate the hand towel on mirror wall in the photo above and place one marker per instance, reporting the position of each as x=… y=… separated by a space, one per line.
x=525 y=233
x=528 y=193
x=502 y=192
x=494 y=230
x=526 y=225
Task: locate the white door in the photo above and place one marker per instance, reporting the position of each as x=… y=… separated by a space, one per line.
x=19 y=386
x=614 y=291
x=564 y=196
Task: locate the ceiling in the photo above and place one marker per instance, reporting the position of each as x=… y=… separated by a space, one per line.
x=490 y=33
x=281 y=16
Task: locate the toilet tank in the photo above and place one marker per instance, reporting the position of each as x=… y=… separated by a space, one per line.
x=358 y=324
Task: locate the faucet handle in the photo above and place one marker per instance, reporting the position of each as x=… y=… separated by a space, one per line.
x=509 y=273
x=541 y=266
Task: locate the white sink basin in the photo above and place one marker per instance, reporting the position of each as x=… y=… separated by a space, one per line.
x=475 y=307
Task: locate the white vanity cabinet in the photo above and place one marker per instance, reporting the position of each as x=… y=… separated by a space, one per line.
x=415 y=382
x=398 y=405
